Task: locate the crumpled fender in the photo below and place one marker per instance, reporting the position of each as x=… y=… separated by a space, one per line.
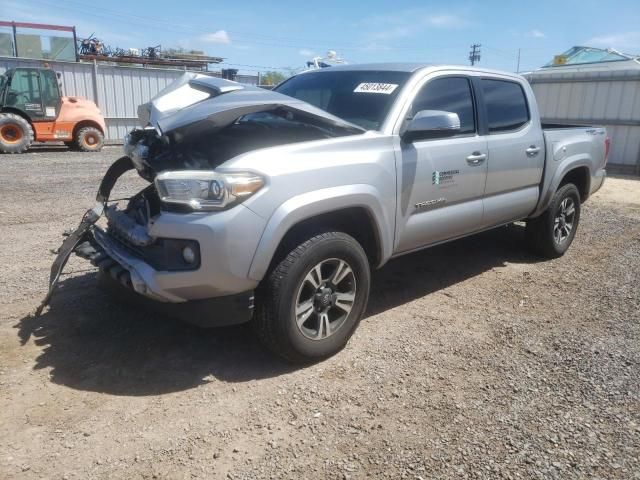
x=115 y=171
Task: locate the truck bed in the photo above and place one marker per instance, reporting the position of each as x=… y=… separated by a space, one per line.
x=569 y=146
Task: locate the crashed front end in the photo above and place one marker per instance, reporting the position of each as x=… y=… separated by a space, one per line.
x=186 y=239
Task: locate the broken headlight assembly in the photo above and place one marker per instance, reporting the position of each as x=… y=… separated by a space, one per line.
x=206 y=191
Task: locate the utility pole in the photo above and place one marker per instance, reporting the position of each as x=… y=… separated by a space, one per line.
x=518 y=67
x=474 y=55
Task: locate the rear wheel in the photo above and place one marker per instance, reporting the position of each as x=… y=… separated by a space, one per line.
x=16 y=134
x=551 y=234
x=312 y=301
x=89 y=139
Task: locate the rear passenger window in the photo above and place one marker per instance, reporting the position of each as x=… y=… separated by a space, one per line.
x=506 y=105
x=449 y=94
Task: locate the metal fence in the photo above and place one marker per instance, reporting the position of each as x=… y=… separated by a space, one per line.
x=608 y=98
x=117 y=90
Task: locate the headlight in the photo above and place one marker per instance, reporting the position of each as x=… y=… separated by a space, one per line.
x=202 y=190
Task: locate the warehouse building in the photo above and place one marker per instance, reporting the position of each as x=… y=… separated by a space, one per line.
x=597 y=87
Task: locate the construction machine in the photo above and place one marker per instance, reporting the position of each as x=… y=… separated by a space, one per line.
x=32 y=108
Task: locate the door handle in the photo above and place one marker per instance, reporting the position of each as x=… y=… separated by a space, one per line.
x=476 y=158
x=532 y=151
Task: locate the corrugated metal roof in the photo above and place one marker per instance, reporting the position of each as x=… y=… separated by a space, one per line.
x=605 y=94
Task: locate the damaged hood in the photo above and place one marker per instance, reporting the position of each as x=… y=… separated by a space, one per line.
x=214 y=103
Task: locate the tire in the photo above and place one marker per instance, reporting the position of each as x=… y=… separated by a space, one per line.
x=327 y=328
x=89 y=139
x=551 y=234
x=16 y=134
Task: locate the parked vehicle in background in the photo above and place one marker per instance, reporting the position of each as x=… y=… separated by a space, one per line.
x=33 y=109
x=330 y=60
x=274 y=206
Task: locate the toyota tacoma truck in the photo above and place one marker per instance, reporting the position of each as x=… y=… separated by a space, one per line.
x=274 y=206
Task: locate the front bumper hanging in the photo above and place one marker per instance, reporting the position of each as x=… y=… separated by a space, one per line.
x=82 y=233
x=78 y=236
x=92 y=243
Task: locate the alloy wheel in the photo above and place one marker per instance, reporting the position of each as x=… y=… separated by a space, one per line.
x=325 y=298
x=563 y=221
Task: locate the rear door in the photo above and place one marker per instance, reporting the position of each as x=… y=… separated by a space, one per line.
x=441 y=181
x=516 y=150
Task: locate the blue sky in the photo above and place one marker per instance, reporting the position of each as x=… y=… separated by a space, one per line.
x=259 y=35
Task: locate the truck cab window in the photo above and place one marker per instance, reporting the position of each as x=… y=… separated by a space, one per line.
x=50 y=92
x=506 y=105
x=24 y=91
x=449 y=94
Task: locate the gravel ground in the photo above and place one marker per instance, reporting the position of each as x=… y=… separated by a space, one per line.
x=475 y=360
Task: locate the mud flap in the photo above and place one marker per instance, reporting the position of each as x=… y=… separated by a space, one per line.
x=80 y=234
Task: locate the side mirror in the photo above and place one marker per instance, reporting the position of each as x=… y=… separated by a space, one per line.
x=430 y=124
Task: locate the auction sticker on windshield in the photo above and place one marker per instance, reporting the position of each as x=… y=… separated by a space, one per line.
x=384 y=88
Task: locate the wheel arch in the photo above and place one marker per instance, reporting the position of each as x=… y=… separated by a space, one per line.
x=574 y=169
x=20 y=113
x=356 y=213
x=581 y=178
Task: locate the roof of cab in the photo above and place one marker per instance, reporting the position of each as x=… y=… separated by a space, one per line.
x=384 y=67
x=406 y=67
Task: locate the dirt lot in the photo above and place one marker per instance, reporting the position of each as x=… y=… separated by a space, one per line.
x=475 y=360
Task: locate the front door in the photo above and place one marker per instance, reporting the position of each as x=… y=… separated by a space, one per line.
x=50 y=94
x=441 y=181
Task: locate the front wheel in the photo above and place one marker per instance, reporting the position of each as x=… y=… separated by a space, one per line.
x=16 y=134
x=551 y=234
x=312 y=301
x=89 y=139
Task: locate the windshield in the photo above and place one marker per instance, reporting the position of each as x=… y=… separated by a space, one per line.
x=360 y=97
x=3 y=80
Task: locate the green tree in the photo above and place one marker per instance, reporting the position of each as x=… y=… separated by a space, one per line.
x=272 y=78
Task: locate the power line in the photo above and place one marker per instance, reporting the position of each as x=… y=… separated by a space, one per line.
x=435 y=52
x=252 y=38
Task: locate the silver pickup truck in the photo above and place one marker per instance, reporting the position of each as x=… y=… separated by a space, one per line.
x=273 y=206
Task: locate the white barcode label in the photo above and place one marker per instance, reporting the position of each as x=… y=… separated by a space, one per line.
x=384 y=88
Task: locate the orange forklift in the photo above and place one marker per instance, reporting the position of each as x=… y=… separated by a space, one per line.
x=32 y=109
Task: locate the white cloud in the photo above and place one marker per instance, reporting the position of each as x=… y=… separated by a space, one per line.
x=446 y=21
x=305 y=52
x=535 y=33
x=628 y=41
x=409 y=22
x=221 y=36
x=375 y=47
x=395 y=32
